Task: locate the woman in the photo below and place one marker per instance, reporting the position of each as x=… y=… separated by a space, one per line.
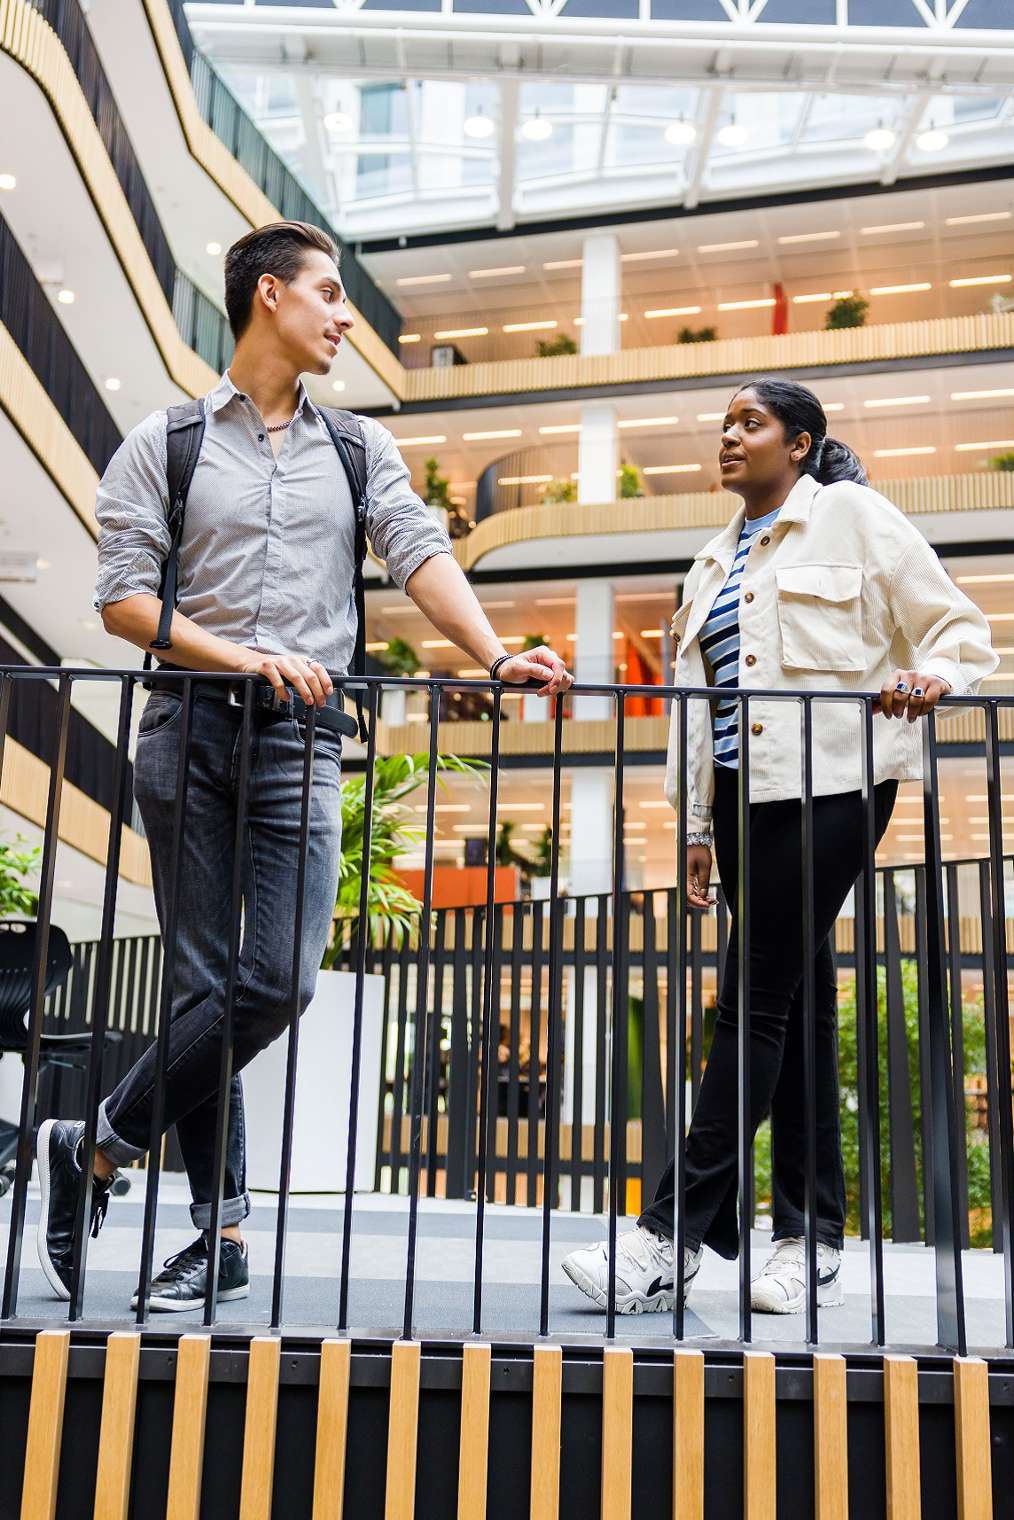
x=817 y=583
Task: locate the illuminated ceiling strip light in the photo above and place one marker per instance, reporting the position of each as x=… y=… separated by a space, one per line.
x=489 y=274
x=463 y=332
x=727 y=247
x=621 y=317
x=980 y=395
x=991 y=443
x=494 y=433
x=821 y=295
x=982 y=580
x=982 y=216
x=671 y=469
x=673 y=311
x=641 y=422
x=437 y=644
x=981 y=279
x=407 y=443
x=893 y=227
x=834 y=406
x=515 y=327
x=809 y=237
x=423 y=279
x=898 y=401
x=903 y=453
x=710 y=416
x=564 y=264
x=524 y=480
x=410 y=337
x=654 y=253
x=561 y=427
x=899 y=290
x=746 y=305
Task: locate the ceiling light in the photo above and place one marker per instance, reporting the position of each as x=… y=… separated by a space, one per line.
x=654 y=253
x=494 y=433
x=733 y=135
x=980 y=395
x=337 y=385
x=8 y=182
x=673 y=311
x=529 y=326
x=423 y=279
x=462 y=332
x=654 y=803
x=640 y=422
x=934 y=140
x=816 y=295
x=524 y=480
x=338 y=121
x=564 y=264
x=901 y=453
x=879 y=139
x=555 y=601
x=66 y=297
x=488 y=274
x=899 y=290
x=746 y=305
x=982 y=216
x=981 y=279
x=42 y=564
x=893 y=227
x=982 y=580
x=561 y=427
x=991 y=443
x=409 y=443
x=809 y=237
x=680 y=133
x=437 y=644
x=537 y=128
x=727 y=247
x=651 y=633
x=671 y=469
x=214 y=249
x=520 y=807
x=410 y=337
x=834 y=406
x=479 y=125
x=710 y=416
x=112 y=384
x=898 y=401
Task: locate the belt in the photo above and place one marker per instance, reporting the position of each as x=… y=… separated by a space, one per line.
x=268 y=704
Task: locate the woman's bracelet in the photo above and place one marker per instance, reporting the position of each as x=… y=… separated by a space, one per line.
x=704 y=838
x=498 y=664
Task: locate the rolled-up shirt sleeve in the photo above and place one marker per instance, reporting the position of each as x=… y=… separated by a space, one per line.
x=402 y=530
x=131 y=507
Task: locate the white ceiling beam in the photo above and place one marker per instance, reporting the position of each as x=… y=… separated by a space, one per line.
x=510 y=92
x=702 y=147
x=909 y=127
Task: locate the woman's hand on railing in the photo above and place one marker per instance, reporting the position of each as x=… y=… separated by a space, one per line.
x=699 y=877
x=907 y=694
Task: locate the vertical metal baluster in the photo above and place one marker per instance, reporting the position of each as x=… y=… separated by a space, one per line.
x=514 y=1055
x=697 y=991
x=30 y=1081
x=996 y=1191
x=603 y=904
x=225 y=1061
x=947 y=1240
x=671 y=1018
x=101 y=1000
x=1004 y=1134
x=400 y=1083
x=553 y=1033
x=577 y=1091
x=292 y=1050
x=957 y=1045
x=431 y=1104
x=362 y=944
x=743 y=1044
x=534 y=1061
x=493 y=1169
x=922 y=953
x=809 y=1022
x=490 y=1009
x=902 y=1189
x=869 y=1066
x=618 y=1065
x=421 y=1007
x=387 y=969
x=476 y=950
x=678 y=963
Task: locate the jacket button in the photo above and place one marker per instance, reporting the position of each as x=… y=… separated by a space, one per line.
x=756 y=728
x=751 y=659
x=748 y=596
x=766 y=539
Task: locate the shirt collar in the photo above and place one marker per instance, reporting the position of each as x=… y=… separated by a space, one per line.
x=225 y=391
x=795 y=509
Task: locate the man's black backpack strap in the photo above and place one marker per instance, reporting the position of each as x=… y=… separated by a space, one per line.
x=348 y=437
x=183 y=439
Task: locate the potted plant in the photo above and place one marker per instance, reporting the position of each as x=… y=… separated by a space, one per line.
x=323 y=1076
x=398 y=659
x=847 y=311
x=17 y=898
x=549 y=348
x=697 y=335
x=556 y=491
x=630 y=482
x=1004 y=462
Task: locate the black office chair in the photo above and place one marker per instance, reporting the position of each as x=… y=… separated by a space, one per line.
x=17 y=961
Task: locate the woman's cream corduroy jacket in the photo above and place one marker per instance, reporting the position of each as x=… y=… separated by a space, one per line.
x=838 y=593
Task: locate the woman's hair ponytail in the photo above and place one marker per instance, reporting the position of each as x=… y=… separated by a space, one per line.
x=799 y=411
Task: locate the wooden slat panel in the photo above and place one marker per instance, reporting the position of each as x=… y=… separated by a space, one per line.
x=830 y=1439
x=473 y=1451
x=190 y=1407
x=45 y=1425
x=901 y=1438
x=116 y=1435
x=688 y=1435
x=617 y=1431
x=402 y=1431
x=758 y=1435
x=258 y=1474
x=332 y=1429
x=547 y=1397
x=971 y=1439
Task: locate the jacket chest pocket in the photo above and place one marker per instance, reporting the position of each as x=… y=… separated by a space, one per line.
x=820 y=617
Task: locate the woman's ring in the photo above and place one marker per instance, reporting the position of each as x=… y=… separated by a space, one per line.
x=902 y=686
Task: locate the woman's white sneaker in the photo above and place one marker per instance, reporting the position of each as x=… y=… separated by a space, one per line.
x=644 y=1272
x=781 y=1286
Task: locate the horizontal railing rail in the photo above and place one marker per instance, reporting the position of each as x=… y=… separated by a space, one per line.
x=551 y=1052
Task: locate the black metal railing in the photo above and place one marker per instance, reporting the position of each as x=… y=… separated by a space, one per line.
x=482 y=1096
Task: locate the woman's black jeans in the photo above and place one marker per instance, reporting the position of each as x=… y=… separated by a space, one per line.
x=776 y=1021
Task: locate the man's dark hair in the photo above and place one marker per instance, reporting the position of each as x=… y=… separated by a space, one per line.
x=280 y=249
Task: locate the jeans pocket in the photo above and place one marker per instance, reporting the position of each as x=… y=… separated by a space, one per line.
x=161 y=709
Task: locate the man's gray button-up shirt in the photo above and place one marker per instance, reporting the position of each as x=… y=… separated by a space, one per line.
x=267 y=554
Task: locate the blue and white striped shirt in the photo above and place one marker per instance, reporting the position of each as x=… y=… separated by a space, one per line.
x=719 y=638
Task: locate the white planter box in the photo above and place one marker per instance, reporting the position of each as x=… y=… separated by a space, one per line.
x=323 y=1093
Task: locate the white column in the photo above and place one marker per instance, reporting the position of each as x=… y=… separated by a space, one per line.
x=598 y=454
x=600 y=295
x=593 y=649
x=591 y=871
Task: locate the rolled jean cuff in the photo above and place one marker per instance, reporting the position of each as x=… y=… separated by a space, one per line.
x=233 y=1210
x=120 y=1152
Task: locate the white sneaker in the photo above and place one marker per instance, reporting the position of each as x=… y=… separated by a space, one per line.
x=644 y=1272
x=781 y=1286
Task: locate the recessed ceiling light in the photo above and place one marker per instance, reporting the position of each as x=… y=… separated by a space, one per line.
x=564 y=264
x=337 y=385
x=727 y=247
x=555 y=601
x=112 y=384
x=680 y=133
x=892 y=227
x=524 y=480
x=982 y=216
x=673 y=311
x=479 y=125
x=902 y=453
x=642 y=422
x=879 y=139
x=934 y=140
x=513 y=327
x=899 y=290
x=66 y=297
x=561 y=427
x=898 y=401
x=42 y=564
x=495 y=433
x=410 y=337
x=982 y=580
x=834 y=406
x=980 y=395
x=423 y=279
x=407 y=443
x=338 y=121
x=991 y=443
x=732 y=135
x=537 y=128
x=981 y=279
x=653 y=253
x=809 y=237
x=8 y=182
x=462 y=332
x=710 y=416
x=488 y=274
x=671 y=469
x=214 y=249
x=746 y=305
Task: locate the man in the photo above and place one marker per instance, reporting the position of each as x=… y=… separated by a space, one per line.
x=265 y=586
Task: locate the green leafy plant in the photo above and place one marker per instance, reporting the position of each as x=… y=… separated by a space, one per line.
x=507 y=853
x=549 y=348
x=532 y=641
x=630 y=482
x=847 y=311
x=559 y=491
x=438 y=492
x=1003 y=462
x=16 y=867
x=399 y=658
x=394 y=831
x=697 y=335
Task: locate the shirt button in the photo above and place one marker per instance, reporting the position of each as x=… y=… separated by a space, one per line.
x=766 y=539
x=260 y=437
x=751 y=659
x=748 y=596
x=756 y=728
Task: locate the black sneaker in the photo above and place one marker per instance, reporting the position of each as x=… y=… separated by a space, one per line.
x=57 y=1146
x=183 y=1281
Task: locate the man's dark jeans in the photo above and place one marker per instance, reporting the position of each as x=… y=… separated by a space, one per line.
x=263 y=990
x=776 y=1022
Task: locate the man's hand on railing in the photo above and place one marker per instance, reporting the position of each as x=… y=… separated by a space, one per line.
x=308 y=678
x=541 y=664
x=699 y=876
x=908 y=694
